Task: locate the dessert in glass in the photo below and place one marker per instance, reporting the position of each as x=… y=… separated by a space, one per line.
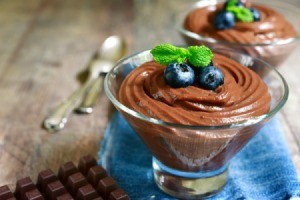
x=271 y=34
x=193 y=128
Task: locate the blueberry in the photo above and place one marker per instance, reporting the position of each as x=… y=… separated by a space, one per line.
x=210 y=78
x=197 y=69
x=179 y=75
x=224 y=20
x=256 y=14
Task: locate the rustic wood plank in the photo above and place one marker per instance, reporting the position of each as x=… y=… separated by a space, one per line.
x=42 y=71
x=291 y=142
x=14 y=21
x=291 y=110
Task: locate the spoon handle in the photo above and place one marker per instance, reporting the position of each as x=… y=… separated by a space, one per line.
x=91 y=95
x=58 y=118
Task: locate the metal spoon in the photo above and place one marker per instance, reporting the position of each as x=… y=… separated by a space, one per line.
x=59 y=117
x=111 y=51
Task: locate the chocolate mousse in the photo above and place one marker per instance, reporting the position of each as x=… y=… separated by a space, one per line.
x=242 y=96
x=272 y=27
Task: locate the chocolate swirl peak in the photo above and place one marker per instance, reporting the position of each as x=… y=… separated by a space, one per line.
x=242 y=96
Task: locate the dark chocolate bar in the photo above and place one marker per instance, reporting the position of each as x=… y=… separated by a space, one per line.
x=87 y=181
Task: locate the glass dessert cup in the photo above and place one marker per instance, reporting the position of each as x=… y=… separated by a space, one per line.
x=191 y=162
x=272 y=52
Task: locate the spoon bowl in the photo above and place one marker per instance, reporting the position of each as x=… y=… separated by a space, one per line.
x=112 y=49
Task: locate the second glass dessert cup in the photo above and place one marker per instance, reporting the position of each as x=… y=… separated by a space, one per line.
x=190 y=162
x=275 y=52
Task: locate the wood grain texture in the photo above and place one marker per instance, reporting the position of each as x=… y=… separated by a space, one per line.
x=39 y=72
x=291 y=111
x=46 y=44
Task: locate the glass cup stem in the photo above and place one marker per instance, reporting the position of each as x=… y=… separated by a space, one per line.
x=189 y=185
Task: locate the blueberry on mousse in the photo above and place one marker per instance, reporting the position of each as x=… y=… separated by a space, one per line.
x=210 y=78
x=190 y=66
x=179 y=75
x=198 y=69
x=256 y=14
x=233 y=11
x=224 y=20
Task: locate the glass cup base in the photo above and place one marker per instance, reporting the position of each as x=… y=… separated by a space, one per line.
x=188 y=185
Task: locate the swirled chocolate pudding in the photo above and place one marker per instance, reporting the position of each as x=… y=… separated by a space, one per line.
x=271 y=27
x=242 y=96
x=250 y=25
x=233 y=94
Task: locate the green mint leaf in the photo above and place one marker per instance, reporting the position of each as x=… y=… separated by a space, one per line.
x=199 y=56
x=241 y=13
x=231 y=3
x=166 y=53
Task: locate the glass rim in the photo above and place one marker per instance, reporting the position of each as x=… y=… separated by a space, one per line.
x=179 y=27
x=251 y=121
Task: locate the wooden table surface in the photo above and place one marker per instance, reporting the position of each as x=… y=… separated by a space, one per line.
x=46 y=44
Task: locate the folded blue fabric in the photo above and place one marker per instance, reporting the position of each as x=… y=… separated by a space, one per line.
x=261 y=170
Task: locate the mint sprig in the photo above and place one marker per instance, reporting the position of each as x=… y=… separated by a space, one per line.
x=167 y=53
x=242 y=14
x=198 y=56
x=231 y=3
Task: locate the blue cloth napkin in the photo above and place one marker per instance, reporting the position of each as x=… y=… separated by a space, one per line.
x=261 y=170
